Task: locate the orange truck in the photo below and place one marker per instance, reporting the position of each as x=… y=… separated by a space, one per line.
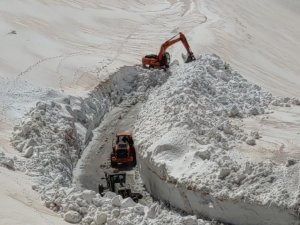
x=123 y=151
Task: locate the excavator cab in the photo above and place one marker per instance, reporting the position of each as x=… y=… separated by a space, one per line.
x=163 y=63
x=166 y=59
x=162 y=60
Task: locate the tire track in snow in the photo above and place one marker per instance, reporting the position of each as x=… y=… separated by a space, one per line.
x=36 y=64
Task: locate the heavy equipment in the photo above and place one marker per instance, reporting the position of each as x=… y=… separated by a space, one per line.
x=162 y=60
x=116 y=182
x=123 y=151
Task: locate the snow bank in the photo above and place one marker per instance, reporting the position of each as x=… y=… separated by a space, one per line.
x=53 y=134
x=187 y=145
x=88 y=208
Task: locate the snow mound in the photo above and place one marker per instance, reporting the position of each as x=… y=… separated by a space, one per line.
x=53 y=135
x=88 y=208
x=187 y=139
x=6 y=162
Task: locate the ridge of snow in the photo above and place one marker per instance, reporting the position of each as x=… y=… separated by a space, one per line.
x=186 y=138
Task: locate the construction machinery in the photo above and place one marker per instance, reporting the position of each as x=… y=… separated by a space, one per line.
x=123 y=151
x=116 y=182
x=162 y=60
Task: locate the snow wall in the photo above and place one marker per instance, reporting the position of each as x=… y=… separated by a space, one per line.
x=202 y=204
x=188 y=142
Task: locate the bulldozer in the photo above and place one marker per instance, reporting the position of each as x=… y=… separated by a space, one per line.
x=162 y=60
x=116 y=182
x=123 y=151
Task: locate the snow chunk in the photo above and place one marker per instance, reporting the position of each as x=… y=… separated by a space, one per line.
x=9 y=163
x=190 y=220
x=152 y=212
x=100 y=218
x=88 y=195
x=127 y=202
x=110 y=195
x=139 y=209
x=116 y=201
x=115 y=212
x=29 y=143
x=224 y=172
x=251 y=141
x=28 y=152
x=205 y=155
x=72 y=217
x=291 y=162
x=234 y=111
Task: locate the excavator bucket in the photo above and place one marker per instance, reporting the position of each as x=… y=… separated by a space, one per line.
x=188 y=58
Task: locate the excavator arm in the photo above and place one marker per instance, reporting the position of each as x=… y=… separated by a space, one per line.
x=173 y=41
x=163 y=58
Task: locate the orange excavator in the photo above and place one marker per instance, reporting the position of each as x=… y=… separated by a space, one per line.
x=162 y=60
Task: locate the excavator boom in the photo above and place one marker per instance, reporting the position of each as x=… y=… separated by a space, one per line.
x=162 y=60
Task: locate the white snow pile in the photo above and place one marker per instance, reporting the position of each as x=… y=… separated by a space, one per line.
x=6 y=162
x=47 y=137
x=186 y=138
x=88 y=208
x=53 y=135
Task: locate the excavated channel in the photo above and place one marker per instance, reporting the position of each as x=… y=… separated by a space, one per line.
x=83 y=130
x=122 y=117
x=114 y=106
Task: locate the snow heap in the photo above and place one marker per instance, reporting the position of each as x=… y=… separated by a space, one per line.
x=53 y=135
x=48 y=138
x=89 y=208
x=6 y=162
x=186 y=138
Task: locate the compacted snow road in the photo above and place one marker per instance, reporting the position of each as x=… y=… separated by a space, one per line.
x=95 y=158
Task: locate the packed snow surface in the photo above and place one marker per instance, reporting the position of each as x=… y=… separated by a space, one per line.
x=73 y=45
